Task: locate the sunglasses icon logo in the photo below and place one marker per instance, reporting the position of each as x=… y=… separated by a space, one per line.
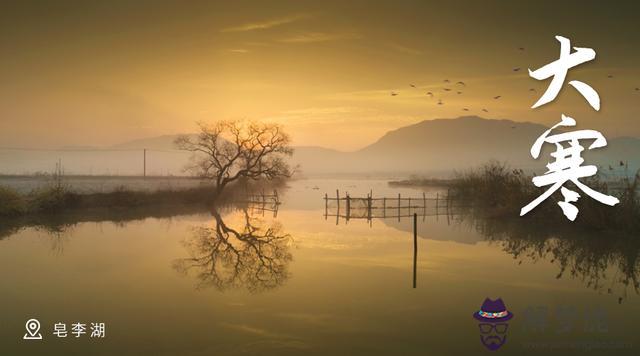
x=499 y=328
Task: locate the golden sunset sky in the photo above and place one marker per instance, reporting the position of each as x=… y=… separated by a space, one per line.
x=100 y=73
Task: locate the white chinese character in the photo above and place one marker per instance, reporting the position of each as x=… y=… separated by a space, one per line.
x=567 y=167
x=97 y=330
x=60 y=329
x=559 y=69
x=78 y=329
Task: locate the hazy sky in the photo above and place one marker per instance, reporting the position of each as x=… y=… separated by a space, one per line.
x=100 y=73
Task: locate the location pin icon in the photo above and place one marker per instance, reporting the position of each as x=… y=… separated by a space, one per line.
x=33 y=330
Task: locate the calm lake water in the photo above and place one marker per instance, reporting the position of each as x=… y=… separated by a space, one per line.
x=299 y=284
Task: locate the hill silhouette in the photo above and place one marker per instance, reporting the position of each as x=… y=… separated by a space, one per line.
x=439 y=146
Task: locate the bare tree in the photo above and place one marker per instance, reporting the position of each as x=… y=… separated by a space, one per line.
x=230 y=150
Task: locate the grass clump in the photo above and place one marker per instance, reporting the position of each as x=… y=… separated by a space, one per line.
x=11 y=203
x=495 y=190
x=494 y=185
x=49 y=199
x=59 y=198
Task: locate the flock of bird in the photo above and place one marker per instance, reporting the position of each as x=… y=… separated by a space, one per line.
x=460 y=85
x=456 y=87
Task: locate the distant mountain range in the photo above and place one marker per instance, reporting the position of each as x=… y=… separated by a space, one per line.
x=437 y=147
x=428 y=148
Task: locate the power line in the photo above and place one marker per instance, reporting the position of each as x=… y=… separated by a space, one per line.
x=33 y=149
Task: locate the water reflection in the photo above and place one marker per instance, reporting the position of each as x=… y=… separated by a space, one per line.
x=53 y=224
x=57 y=231
x=605 y=261
x=58 y=235
x=253 y=255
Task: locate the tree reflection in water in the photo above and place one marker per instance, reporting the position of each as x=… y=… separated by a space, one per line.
x=605 y=261
x=254 y=256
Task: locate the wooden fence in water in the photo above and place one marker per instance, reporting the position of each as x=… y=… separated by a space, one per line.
x=369 y=208
x=263 y=202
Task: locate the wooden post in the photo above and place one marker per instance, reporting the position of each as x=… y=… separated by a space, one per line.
x=326 y=205
x=437 y=198
x=348 y=207
x=398 y=206
x=369 y=208
x=384 y=207
x=415 y=249
x=338 y=210
x=448 y=202
x=276 y=204
x=424 y=206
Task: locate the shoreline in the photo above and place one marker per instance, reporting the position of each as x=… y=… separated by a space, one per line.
x=61 y=198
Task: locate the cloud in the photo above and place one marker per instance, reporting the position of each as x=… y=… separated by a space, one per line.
x=312 y=37
x=404 y=49
x=263 y=25
x=250 y=330
x=317 y=115
x=331 y=116
x=383 y=95
x=326 y=111
x=237 y=50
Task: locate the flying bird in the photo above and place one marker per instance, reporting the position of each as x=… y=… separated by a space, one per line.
x=513 y=127
x=459 y=92
x=485 y=110
x=516 y=69
x=462 y=83
x=621 y=163
x=447 y=81
x=430 y=94
x=394 y=94
x=440 y=102
x=465 y=109
x=521 y=48
x=637 y=89
x=610 y=168
x=531 y=89
x=446 y=89
x=497 y=97
x=412 y=85
x=610 y=76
